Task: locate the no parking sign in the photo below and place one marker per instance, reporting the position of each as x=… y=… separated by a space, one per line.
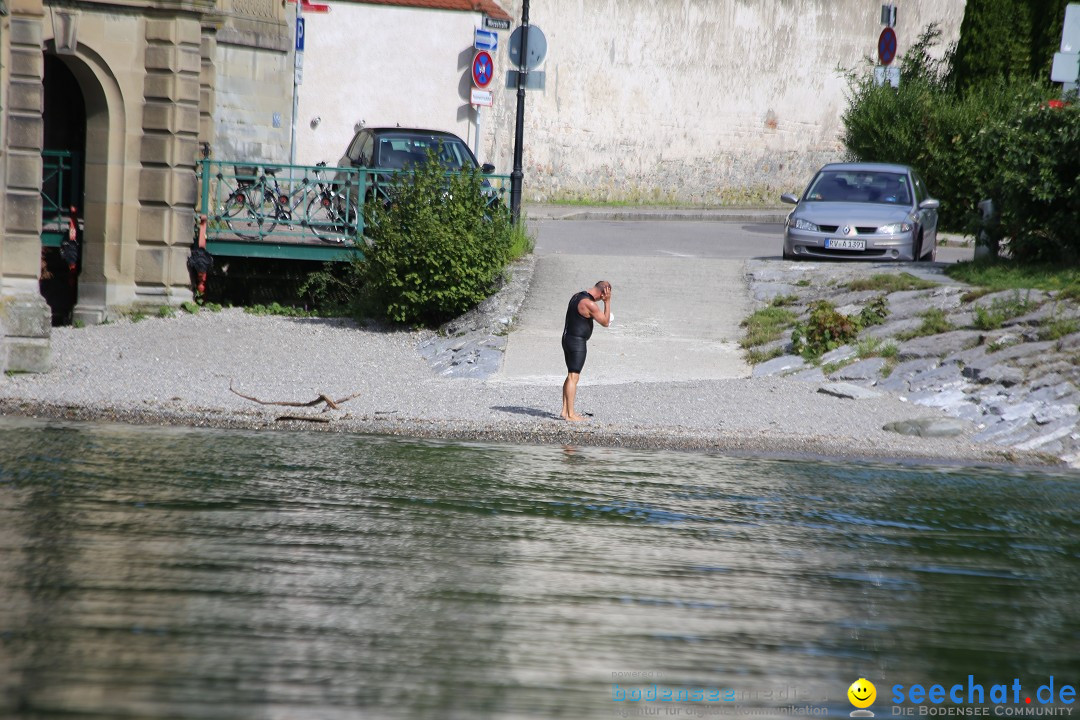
x=483 y=69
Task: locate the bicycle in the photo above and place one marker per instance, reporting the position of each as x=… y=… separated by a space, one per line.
x=253 y=209
x=332 y=215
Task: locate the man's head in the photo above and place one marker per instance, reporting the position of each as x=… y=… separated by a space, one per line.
x=602 y=288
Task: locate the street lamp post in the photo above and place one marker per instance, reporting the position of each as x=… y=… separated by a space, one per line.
x=519 y=123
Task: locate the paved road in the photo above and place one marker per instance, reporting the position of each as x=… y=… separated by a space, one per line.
x=679 y=296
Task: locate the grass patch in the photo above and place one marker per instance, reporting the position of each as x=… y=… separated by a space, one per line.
x=165 y=311
x=1058 y=327
x=875 y=347
x=279 y=309
x=136 y=316
x=755 y=356
x=784 y=300
x=78 y=323
x=934 y=322
x=867 y=347
x=1009 y=275
x=190 y=307
x=212 y=306
x=522 y=242
x=890 y=282
x=1002 y=309
x=803 y=283
x=830 y=368
x=766 y=325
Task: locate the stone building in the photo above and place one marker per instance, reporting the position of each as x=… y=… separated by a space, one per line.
x=124 y=92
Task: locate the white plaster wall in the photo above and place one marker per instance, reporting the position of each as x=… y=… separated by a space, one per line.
x=387 y=65
x=696 y=100
x=253 y=86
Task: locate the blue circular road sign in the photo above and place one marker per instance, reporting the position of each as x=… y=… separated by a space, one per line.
x=483 y=69
x=886 y=46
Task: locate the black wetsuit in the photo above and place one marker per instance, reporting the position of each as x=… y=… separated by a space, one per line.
x=576 y=332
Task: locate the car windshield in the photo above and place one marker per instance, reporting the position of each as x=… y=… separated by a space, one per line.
x=860 y=186
x=407 y=149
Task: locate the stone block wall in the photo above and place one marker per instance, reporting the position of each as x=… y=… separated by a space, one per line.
x=251 y=59
x=24 y=316
x=704 y=101
x=167 y=188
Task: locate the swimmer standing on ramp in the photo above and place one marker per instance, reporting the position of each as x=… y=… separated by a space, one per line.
x=580 y=313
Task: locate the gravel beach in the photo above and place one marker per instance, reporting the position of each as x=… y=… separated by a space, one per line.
x=188 y=369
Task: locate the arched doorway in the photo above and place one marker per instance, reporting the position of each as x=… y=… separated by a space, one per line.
x=63 y=183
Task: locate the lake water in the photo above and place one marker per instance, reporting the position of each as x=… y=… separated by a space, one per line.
x=180 y=573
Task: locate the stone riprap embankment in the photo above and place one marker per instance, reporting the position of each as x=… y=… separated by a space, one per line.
x=472 y=346
x=1005 y=364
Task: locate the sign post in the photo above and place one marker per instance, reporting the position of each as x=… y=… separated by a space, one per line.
x=298 y=77
x=519 y=121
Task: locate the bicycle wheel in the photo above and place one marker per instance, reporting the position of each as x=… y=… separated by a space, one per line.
x=331 y=219
x=250 y=214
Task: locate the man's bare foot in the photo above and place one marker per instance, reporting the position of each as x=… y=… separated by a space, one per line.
x=573 y=418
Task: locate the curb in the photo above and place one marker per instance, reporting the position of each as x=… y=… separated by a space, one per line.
x=744 y=215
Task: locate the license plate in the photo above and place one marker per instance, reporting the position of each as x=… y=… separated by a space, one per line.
x=845 y=244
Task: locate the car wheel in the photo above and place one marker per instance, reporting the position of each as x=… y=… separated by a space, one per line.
x=787 y=255
x=920 y=256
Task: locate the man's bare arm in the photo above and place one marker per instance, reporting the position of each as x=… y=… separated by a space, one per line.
x=590 y=309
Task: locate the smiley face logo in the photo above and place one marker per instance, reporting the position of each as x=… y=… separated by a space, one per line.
x=862 y=693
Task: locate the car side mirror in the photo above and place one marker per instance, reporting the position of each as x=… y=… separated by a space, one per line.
x=487 y=168
x=929 y=204
x=789 y=199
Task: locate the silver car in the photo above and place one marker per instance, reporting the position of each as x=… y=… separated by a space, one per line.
x=872 y=211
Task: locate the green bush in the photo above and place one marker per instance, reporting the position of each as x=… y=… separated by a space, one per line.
x=1036 y=187
x=436 y=246
x=825 y=329
x=996 y=139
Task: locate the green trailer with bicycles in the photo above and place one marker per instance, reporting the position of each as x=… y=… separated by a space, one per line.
x=293 y=212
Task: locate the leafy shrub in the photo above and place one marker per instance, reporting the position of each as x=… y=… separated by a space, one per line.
x=436 y=247
x=825 y=329
x=1036 y=187
x=874 y=313
x=996 y=139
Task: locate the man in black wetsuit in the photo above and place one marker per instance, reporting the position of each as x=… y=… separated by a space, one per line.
x=580 y=313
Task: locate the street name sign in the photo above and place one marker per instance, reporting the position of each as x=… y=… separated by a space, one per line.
x=496 y=23
x=481 y=97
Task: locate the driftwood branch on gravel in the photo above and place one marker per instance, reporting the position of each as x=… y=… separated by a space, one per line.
x=323 y=398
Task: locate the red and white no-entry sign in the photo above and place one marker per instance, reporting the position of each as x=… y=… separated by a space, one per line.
x=483 y=69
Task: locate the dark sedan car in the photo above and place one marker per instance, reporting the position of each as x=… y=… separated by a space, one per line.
x=871 y=211
x=399 y=148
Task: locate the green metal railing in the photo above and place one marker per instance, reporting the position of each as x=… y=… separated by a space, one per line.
x=60 y=191
x=306 y=212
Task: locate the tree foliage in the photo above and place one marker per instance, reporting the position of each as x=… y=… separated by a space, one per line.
x=1001 y=140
